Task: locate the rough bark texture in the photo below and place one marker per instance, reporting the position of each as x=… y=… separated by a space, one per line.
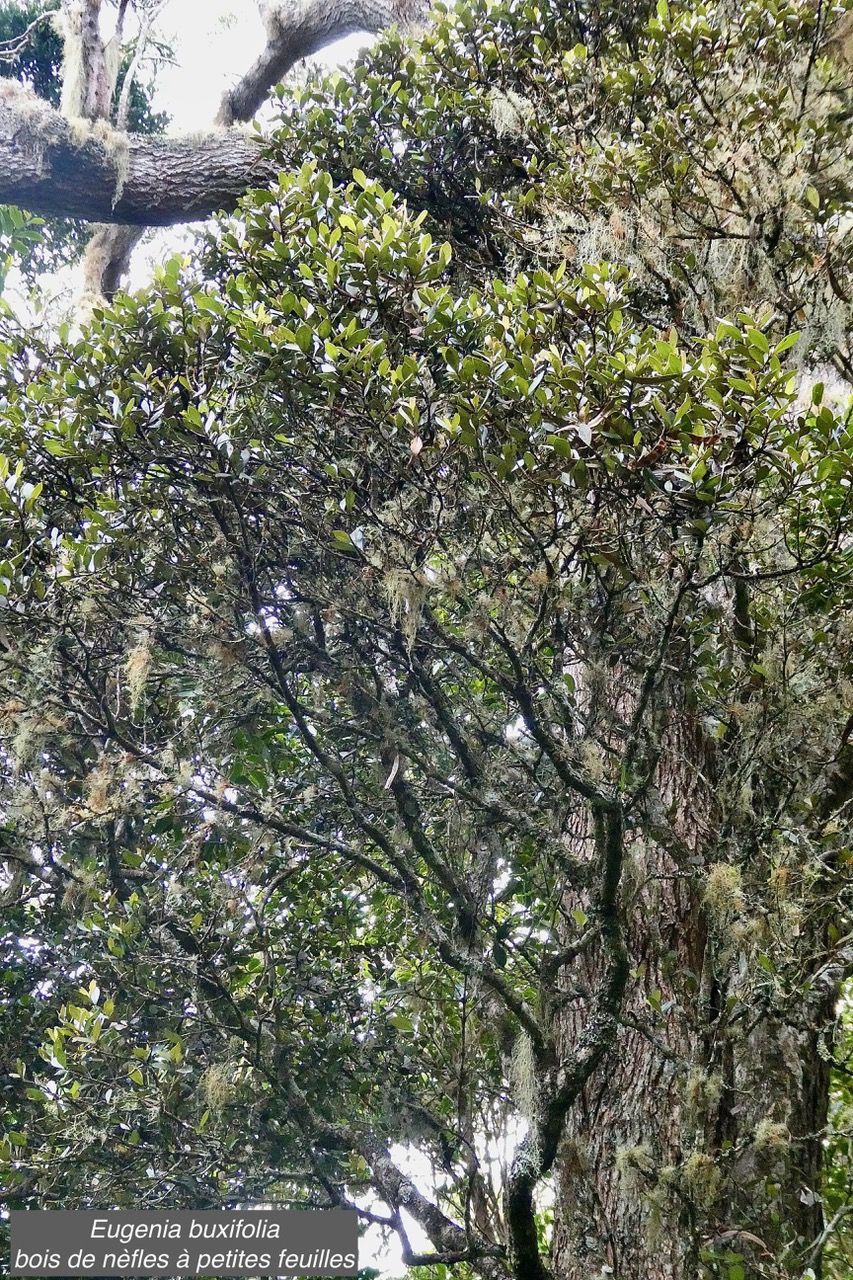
x=637 y=1190
x=700 y=1137
x=74 y=165
x=88 y=70
x=46 y=167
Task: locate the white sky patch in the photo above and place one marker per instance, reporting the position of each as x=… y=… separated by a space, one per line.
x=215 y=42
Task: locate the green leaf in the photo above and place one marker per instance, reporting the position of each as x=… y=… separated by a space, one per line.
x=400 y=1021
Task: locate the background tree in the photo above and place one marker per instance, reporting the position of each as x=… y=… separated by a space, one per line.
x=427 y=672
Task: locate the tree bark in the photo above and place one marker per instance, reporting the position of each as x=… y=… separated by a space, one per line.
x=707 y=1146
x=49 y=169
x=56 y=168
x=299 y=30
x=700 y=1137
x=72 y=164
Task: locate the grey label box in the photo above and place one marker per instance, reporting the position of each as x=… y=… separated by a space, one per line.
x=252 y=1242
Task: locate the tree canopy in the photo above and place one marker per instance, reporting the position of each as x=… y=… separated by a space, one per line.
x=426 y=671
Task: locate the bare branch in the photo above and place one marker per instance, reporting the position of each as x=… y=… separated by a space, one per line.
x=10 y=49
x=296 y=30
x=146 y=22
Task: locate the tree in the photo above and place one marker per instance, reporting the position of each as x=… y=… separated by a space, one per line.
x=427 y=670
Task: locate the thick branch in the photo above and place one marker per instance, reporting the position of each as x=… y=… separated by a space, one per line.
x=49 y=165
x=560 y=1088
x=838 y=784
x=47 y=168
x=297 y=30
x=87 y=69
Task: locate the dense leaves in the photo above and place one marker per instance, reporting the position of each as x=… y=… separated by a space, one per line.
x=426 y=672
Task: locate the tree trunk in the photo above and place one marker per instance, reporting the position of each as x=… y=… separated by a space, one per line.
x=695 y=1151
x=672 y=1161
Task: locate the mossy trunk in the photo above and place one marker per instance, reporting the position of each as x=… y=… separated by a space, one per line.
x=696 y=1151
